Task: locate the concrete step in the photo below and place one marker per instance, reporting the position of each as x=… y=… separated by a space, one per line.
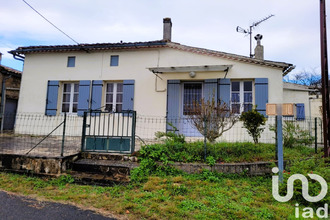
x=99 y=179
x=107 y=168
x=108 y=156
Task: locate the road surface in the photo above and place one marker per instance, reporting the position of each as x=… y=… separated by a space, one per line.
x=15 y=207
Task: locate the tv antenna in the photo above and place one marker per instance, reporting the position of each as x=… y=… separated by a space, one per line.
x=249 y=30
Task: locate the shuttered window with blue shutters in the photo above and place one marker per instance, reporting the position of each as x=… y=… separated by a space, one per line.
x=300 y=108
x=96 y=102
x=128 y=95
x=173 y=103
x=261 y=94
x=83 y=99
x=52 y=97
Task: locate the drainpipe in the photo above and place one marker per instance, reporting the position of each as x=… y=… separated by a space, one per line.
x=3 y=101
x=18 y=57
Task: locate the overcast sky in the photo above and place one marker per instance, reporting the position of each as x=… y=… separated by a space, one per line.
x=291 y=36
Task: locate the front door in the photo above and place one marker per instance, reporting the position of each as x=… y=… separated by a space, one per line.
x=191 y=92
x=10 y=114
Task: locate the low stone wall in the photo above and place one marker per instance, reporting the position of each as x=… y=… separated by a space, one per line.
x=37 y=165
x=256 y=168
x=59 y=165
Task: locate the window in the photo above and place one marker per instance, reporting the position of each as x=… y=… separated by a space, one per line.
x=70 y=97
x=192 y=92
x=114 y=60
x=241 y=96
x=71 y=61
x=114 y=97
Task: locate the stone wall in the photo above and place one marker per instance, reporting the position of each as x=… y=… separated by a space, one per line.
x=256 y=168
x=38 y=165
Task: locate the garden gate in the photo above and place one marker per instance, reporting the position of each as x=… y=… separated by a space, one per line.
x=109 y=132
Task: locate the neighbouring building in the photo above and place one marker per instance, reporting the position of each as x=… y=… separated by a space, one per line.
x=10 y=80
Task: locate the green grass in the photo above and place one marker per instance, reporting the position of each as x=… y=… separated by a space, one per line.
x=221 y=152
x=206 y=196
x=161 y=192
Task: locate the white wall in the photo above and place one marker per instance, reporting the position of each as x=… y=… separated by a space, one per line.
x=297 y=96
x=39 y=68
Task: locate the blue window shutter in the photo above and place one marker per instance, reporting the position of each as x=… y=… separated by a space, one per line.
x=96 y=101
x=261 y=94
x=224 y=90
x=300 y=107
x=128 y=95
x=173 y=103
x=210 y=89
x=52 y=97
x=83 y=98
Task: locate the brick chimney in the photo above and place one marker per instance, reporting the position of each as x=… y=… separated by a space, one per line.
x=259 y=50
x=167 y=32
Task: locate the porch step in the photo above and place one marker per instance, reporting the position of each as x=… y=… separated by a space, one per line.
x=106 y=163
x=98 y=179
x=107 y=156
x=102 y=171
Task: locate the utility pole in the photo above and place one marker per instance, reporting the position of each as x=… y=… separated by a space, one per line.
x=325 y=80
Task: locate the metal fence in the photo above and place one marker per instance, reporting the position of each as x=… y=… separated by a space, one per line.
x=39 y=135
x=146 y=127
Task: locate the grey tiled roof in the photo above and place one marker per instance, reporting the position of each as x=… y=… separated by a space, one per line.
x=286 y=67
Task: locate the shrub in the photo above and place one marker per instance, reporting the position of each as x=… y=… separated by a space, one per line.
x=293 y=135
x=252 y=120
x=171 y=135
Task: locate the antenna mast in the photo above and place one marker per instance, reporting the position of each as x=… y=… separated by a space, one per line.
x=249 y=31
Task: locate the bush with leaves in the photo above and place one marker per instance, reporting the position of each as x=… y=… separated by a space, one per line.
x=171 y=135
x=252 y=121
x=294 y=135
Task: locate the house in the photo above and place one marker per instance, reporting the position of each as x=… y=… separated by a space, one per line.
x=299 y=96
x=154 y=78
x=10 y=80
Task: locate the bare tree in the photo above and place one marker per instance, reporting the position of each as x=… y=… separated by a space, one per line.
x=211 y=118
x=307 y=78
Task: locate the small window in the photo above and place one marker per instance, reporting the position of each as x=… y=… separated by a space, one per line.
x=114 y=60
x=71 y=61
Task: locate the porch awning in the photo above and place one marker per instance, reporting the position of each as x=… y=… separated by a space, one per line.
x=187 y=69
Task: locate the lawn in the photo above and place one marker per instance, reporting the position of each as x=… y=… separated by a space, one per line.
x=167 y=197
x=162 y=192
x=204 y=196
x=221 y=152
